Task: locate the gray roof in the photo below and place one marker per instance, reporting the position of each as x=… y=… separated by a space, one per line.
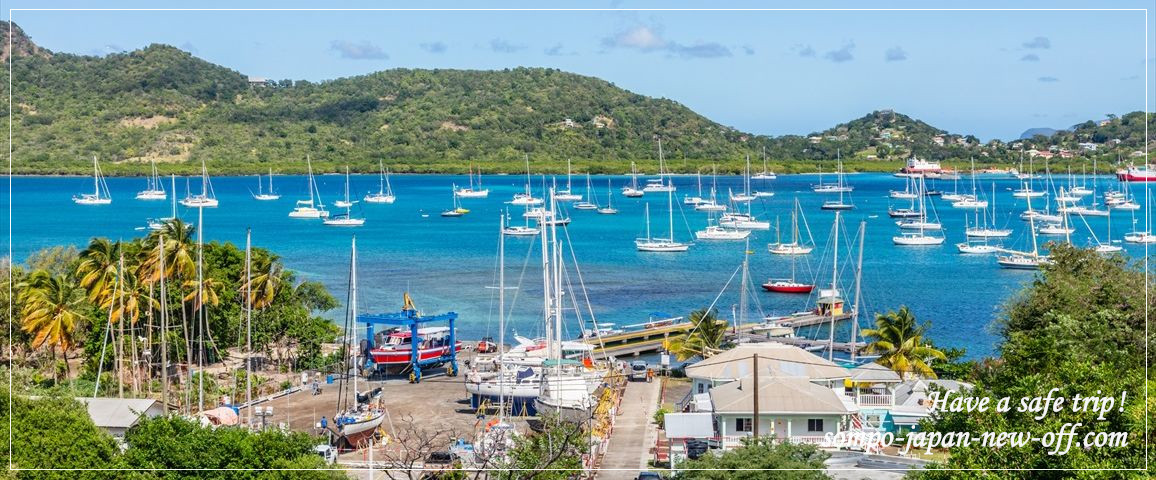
x=912 y=392
x=777 y=395
x=776 y=359
x=874 y=373
x=119 y=412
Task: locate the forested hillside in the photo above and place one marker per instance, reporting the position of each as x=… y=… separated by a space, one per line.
x=164 y=104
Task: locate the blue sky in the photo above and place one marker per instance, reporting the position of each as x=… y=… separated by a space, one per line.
x=988 y=73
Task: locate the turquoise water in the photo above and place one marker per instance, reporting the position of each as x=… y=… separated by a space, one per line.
x=447 y=263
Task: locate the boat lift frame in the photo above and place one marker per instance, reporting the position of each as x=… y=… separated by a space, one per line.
x=412 y=319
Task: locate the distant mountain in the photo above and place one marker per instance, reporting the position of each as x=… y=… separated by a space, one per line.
x=1031 y=132
x=164 y=104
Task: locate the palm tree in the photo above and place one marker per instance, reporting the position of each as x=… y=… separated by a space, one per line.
x=98 y=269
x=209 y=288
x=899 y=342
x=51 y=312
x=265 y=281
x=704 y=339
x=180 y=248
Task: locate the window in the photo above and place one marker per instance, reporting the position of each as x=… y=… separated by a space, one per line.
x=814 y=424
x=743 y=425
x=701 y=388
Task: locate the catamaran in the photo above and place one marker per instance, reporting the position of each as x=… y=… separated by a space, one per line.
x=1026 y=190
x=660 y=184
x=384 y=189
x=526 y=198
x=207 y=198
x=795 y=247
x=346 y=202
x=567 y=195
x=263 y=195
x=154 y=190
x=312 y=208
x=650 y=244
x=1144 y=236
x=100 y=194
x=473 y=191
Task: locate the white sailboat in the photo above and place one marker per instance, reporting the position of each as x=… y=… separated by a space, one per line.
x=263 y=195
x=526 y=198
x=696 y=199
x=100 y=194
x=906 y=193
x=632 y=190
x=971 y=201
x=589 y=203
x=765 y=174
x=473 y=191
x=311 y=208
x=795 y=247
x=384 y=189
x=344 y=219
x=154 y=190
x=1026 y=191
x=609 y=208
x=921 y=225
x=650 y=244
x=1016 y=260
x=746 y=194
x=355 y=421
x=660 y=184
x=457 y=210
x=159 y=223
x=207 y=198
x=714 y=231
x=567 y=195
x=838 y=186
x=519 y=230
x=987 y=231
x=346 y=202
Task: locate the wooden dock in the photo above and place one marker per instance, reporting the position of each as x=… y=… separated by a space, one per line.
x=651 y=340
x=812 y=319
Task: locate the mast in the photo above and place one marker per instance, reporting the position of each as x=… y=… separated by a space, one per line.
x=309 y=166
x=547 y=294
x=173 y=179
x=249 y=321
x=858 y=290
x=834 y=290
x=647 y=215
x=501 y=316
x=270 y=180
x=201 y=308
x=347 y=184
x=670 y=209
x=352 y=332
x=164 y=326
x=743 y=288
x=95 y=178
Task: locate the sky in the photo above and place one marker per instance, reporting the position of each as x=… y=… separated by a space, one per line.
x=993 y=74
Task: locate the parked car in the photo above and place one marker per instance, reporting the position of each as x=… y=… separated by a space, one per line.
x=638 y=370
x=648 y=476
x=439 y=462
x=327 y=452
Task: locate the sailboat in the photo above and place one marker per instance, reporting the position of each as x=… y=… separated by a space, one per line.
x=519 y=230
x=526 y=198
x=1026 y=191
x=696 y=199
x=346 y=202
x=710 y=204
x=154 y=190
x=473 y=191
x=746 y=195
x=658 y=185
x=1017 y=260
x=632 y=190
x=609 y=208
x=906 y=193
x=344 y=219
x=567 y=195
x=384 y=189
x=207 y=198
x=100 y=194
x=355 y=420
x=650 y=244
x=971 y=201
x=311 y=208
x=795 y=247
x=714 y=231
x=457 y=211
x=920 y=223
x=589 y=203
x=789 y=285
x=263 y=195
x=765 y=174
x=986 y=231
x=159 y=223
x=838 y=186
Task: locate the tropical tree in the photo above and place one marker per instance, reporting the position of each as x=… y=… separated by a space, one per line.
x=263 y=282
x=98 y=269
x=704 y=339
x=208 y=293
x=52 y=310
x=900 y=344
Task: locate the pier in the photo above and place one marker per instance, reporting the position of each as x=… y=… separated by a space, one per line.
x=651 y=340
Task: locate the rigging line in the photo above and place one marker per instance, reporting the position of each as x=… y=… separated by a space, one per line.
x=521 y=278
x=717 y=297
x=582 y=283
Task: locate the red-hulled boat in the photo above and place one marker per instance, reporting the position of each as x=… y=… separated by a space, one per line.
x=787 y=286
x=1145 y=173
x=397 y=349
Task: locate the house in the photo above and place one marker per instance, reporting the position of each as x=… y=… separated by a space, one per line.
x=257 y=81
x=872 y=388
x=1066 y=153
x=1040 y=153
x=938 y=139
x=1087 y=146
x=117 y=415
x=1135 y=154
x=815 y=139
x=790 y=408
x=911 y=401
x=774 y=359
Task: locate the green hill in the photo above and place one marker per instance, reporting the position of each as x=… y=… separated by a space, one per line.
x=161 y=103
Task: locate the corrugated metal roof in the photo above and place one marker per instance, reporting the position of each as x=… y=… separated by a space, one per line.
x=118 y=412
x=777 y=395
x=776 y=359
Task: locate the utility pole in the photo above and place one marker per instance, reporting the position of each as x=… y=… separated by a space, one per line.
x=755 y=394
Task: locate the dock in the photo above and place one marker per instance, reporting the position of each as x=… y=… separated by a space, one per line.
x=812 y=319
x=651 y=340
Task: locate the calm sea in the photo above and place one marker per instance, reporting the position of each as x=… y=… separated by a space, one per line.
x=448 y=263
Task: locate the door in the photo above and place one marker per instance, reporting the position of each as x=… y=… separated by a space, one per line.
x=780 y=429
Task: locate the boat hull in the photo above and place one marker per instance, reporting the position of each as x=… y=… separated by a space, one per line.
x=788 y=287
x=402 y=357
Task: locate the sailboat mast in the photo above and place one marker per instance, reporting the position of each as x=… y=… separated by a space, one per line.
x=173 y=183
x=164 y=326
x=547 y=294
x=743 y=287
x=249 y=322
x=95 y=178
x=353 y=316
x=670 y=209
x=834 y=289
x=201 y=308
x=501 y=315
x=647 y=215
x=858 y=290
